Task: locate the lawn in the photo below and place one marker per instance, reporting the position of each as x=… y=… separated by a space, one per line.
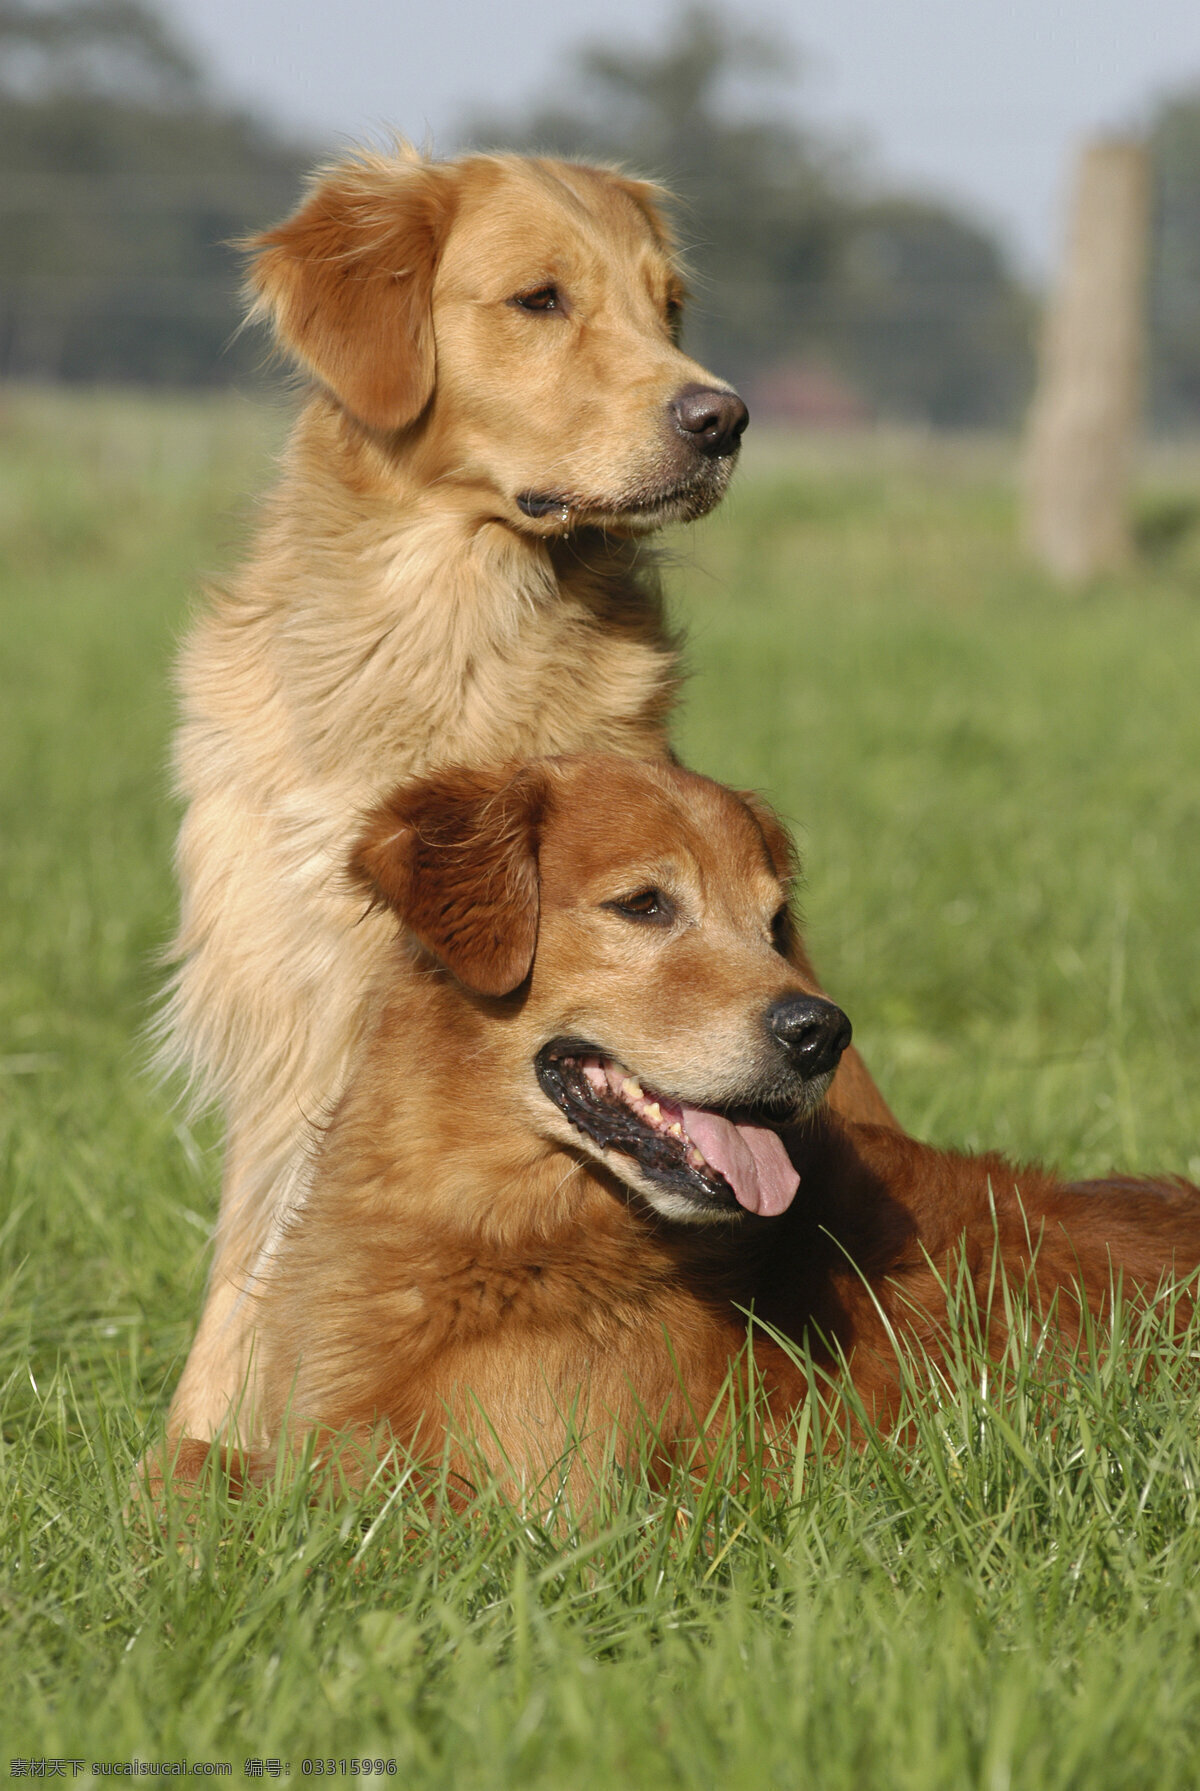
x=997 y=789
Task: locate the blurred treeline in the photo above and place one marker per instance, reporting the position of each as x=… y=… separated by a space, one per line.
x=124 y=179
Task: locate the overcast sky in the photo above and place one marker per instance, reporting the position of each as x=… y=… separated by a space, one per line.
x=975 y=100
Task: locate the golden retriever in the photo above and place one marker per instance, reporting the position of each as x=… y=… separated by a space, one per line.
x=449 y=570
x=586 y=1138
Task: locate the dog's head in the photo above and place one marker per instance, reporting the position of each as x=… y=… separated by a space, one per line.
x=521 y=315
x=623 y=930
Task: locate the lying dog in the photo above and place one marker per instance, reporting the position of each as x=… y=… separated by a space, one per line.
x=449 y=571
x=586 y=1137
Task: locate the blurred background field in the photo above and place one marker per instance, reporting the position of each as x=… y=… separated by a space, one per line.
x=995 y=787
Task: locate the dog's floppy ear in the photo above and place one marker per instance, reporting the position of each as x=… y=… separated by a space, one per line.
x=455 y=856
x=348 y=281
x=649 y=200
x=781 y=850
x=784 y=861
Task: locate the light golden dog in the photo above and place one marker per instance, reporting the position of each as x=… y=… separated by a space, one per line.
x=585 y=1139
x=449 y=569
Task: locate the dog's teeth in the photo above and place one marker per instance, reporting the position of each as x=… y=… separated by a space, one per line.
x=695 y=1159
x=631 y=1090
x=675 y=1131
x=653 y=1112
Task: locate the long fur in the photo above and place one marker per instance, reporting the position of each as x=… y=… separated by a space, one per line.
x=464 y=1251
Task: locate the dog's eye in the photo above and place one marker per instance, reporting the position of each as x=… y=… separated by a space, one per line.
x=781 y=930
x=543 y=298
x=647 y=904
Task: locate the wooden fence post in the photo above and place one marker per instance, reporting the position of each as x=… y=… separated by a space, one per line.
x=1084 y=419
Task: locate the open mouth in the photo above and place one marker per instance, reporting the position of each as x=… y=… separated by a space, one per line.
x=712 y=1159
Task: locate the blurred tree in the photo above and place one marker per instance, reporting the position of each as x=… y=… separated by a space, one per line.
x=121 y=182
x=1175 y=263
x=932 y=321
x=113 y=47
x=794 y=261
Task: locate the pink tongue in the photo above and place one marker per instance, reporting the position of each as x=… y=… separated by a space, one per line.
x=751 y=1158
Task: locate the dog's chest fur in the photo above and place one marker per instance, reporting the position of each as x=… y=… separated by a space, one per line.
x=417 y=1319
x=371 y=637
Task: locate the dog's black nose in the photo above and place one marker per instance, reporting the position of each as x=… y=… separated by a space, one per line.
x=814 y=1033
x=712 y=421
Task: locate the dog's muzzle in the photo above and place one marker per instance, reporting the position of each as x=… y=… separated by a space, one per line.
x=716 y=1160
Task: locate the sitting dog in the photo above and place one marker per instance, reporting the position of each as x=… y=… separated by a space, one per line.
x=587 y=1136
x=451 y=570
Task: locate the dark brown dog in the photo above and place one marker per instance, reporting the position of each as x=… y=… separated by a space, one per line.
x=588 y=1136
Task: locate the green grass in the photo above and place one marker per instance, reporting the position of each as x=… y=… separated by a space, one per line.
x=1000 y=809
